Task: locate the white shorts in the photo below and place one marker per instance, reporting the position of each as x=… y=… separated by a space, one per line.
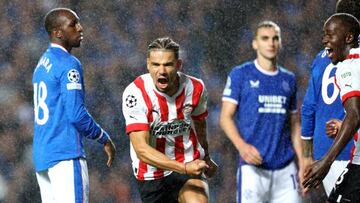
x=256 y=185
x=67 y=181
x=335 y=170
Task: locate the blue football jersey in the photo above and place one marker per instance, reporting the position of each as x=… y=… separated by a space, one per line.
x=60 y=116
x=264 y=101
x=322 y=103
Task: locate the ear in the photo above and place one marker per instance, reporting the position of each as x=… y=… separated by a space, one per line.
x=254 y=44
x=349 y=38
x=179 y=64
x=57 y=33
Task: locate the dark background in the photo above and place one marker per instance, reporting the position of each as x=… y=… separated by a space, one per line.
x=214 y=36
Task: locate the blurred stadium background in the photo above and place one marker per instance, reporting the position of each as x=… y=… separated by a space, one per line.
x=215 y=35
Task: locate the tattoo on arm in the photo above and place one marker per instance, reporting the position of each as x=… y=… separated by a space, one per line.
x=307 y=148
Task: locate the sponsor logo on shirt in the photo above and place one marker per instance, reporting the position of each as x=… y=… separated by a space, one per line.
x=171 y=128
x=272 y=104
x=254 y=83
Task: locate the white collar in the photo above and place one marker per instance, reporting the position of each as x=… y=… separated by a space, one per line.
x=266 y=72
x=58 y=46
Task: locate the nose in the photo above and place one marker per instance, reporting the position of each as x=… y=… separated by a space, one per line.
x=324 y=40
x=162 y=69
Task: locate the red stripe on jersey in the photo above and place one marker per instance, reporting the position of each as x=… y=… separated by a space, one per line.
x=179 y=149
x=139 y=82
x=198 y=89
x=160 y=146
x=142 y=170
x=201 y=116
x=179 y=104
x=348 y=95
x=356 y=137
x=353 y=56
x=193 y=139
x=164 y=109
x=137 y=127
x=336 y=83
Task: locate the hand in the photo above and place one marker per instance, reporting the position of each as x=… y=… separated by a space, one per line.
x=305 y=166
x=110 y=150
x=195 y=167
x=209 y=172
x=316 y=173
x=332 y=127
x=250 y=154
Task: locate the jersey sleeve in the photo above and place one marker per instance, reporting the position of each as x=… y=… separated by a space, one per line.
x=347 y=79
x=135 y=110
x=72 y=93
x=308 y=108
x=232 y=90
x=200 y=112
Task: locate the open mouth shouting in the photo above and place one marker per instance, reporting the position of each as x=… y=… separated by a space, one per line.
x=162 y=83
x=329 y=52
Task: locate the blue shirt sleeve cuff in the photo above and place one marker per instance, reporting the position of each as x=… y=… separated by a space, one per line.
x=103 y=138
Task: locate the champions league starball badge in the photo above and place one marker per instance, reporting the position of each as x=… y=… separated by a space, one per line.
x=73 y=76
x=130 y=101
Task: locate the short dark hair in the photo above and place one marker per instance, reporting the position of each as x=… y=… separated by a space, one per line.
x=350 y=22
x=349 y=6
x=164 y=43
x=51 y=20
x=267 y=24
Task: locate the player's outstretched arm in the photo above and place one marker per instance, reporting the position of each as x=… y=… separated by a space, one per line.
x=110 y=150
x=351 y=123
x=248 y=152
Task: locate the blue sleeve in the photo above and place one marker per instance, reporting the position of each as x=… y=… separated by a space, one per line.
x=72 y=93
x=309 y=107
x=232 y=91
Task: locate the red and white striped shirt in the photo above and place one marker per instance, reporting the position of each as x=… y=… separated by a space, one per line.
x=347 y=79
x=168 y=119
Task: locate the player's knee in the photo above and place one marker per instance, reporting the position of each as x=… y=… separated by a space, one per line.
x=194 y=191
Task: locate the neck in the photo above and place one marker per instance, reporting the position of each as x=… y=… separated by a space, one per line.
x=267 y=64
x=68 y=48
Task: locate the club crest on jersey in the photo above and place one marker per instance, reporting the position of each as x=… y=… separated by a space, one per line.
x=187 y=109
x=285 y=86
x=73 y=76
x=254 y=83
x=130 y=101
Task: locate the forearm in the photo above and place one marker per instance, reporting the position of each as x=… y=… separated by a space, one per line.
x=295 y=135
x=346 y=133
x=307 y=149
x=200 y=128
x=228 y=126
x=155 y=158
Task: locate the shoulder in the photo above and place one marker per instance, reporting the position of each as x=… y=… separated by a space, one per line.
x=188 y=78
x=286 y=72
x=139 y=84
x=242 y=69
